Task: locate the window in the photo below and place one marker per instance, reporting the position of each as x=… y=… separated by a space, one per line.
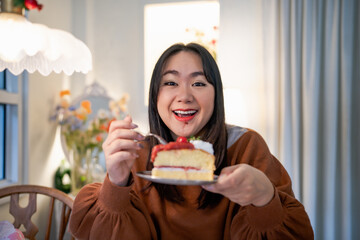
x=11 y=128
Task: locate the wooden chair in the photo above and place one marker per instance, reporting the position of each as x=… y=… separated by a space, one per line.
x=23 y=215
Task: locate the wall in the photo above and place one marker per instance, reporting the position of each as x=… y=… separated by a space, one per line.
x=240 y=62
x=42 y=92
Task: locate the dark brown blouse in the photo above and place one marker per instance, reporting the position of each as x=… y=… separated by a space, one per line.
x=107 y=211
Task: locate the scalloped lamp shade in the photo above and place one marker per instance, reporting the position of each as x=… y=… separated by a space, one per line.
x=30 y=46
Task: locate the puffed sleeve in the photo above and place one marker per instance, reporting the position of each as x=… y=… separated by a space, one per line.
x=284 y=217
x=107 y=211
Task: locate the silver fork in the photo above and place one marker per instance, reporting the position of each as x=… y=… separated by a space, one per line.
x=160 y=139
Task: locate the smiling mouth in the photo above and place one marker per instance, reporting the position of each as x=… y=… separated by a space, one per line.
x=185 y=114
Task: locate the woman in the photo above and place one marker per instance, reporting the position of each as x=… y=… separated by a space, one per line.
x=252 y=199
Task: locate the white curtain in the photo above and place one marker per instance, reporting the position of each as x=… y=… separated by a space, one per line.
x=301 y=61
x=311 y=62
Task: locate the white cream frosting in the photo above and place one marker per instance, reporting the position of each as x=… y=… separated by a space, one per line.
x=206 y=146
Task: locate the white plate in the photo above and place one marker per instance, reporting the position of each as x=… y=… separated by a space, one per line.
x=147 y=175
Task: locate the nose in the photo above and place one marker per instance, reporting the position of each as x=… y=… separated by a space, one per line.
x=185 y=94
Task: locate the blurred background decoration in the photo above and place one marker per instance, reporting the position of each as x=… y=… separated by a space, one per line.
x=31 y=46
x=208 y=40
x=84 y=124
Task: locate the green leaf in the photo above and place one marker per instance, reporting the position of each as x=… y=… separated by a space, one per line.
x=194 y=138
x=19 y=3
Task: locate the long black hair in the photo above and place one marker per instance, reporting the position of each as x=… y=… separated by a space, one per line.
x=214 y=131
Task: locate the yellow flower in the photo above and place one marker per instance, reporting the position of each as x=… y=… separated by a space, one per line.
x=64 y=93
x=86 y=104
x=65 y=98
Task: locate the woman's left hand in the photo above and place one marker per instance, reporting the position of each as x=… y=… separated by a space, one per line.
x=244 y=185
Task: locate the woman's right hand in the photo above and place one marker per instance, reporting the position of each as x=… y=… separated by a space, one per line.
x=120 y=150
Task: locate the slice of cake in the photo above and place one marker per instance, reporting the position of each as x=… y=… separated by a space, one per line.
x=192 y=160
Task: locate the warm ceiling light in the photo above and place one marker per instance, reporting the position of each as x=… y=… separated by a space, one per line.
x=30 y=46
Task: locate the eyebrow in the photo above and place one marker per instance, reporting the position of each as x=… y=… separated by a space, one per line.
x=171 y=72
x=194 y=74
x=199 y=73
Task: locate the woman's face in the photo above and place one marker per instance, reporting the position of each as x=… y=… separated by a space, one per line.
x=186 y=99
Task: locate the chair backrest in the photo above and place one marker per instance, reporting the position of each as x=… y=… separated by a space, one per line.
x=23 y=215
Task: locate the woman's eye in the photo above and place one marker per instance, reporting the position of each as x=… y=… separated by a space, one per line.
x=169 y=83
x=199 y=84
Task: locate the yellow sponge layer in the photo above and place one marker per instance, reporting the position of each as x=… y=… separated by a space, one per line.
x=176 y=173
x=195 y=158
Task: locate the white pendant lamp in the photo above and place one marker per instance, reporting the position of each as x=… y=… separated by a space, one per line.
x=30 y=46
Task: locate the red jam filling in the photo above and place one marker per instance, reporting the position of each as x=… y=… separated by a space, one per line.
x=170 y=146
x=185 y=168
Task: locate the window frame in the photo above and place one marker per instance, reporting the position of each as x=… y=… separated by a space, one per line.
x=15 y=129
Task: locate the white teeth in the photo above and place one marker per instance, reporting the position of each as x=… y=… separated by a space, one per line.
x=185 y=112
